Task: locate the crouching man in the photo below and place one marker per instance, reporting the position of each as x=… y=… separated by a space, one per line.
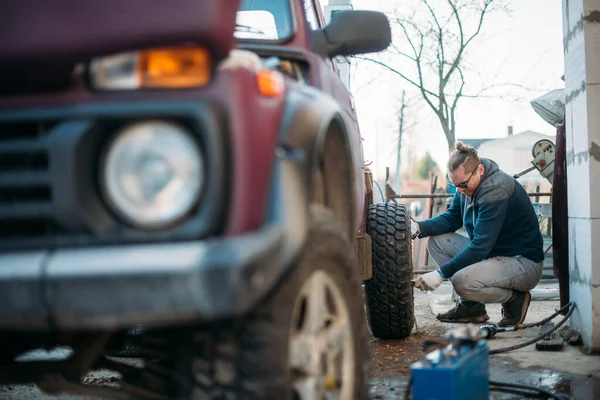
x=501 y=259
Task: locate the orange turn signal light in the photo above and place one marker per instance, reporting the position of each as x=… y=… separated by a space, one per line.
x=270 y=83
x=176 y=67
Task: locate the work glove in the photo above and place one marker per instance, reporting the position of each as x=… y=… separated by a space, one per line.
x=414 y=229
x=429 y=281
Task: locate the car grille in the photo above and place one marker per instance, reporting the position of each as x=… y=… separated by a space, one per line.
x=49 y=192
x=25 y=191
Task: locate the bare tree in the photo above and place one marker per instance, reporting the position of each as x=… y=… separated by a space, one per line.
x=400 y=134
x=430 y=52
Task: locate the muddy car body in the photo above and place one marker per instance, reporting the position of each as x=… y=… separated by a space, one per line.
x=199 y=177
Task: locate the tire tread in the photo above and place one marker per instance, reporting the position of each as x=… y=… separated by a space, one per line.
x=389 y=293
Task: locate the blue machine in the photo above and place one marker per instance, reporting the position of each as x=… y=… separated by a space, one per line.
x=457 y=371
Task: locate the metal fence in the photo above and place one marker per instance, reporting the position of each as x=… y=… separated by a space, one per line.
x=543 y=210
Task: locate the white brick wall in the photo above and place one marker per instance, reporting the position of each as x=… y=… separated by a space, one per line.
x=582 y=82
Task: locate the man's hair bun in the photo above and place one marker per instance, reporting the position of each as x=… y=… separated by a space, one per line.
x=464 y=148
x=463 y=154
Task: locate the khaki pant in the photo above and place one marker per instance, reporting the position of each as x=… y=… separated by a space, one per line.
x=489 y=281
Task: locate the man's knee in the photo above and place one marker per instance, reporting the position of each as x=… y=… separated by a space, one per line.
x=464 y=285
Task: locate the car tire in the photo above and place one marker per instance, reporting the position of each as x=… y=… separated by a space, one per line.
x=389 y=292
x=282 y=350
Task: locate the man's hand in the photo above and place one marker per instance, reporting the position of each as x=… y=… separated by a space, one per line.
x=429 y=281
x=414 y=229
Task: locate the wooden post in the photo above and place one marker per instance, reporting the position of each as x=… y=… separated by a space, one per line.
x=430 y=203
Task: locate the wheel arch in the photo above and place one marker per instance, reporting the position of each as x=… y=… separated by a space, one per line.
x=312 y=125
x=334 y=159
x=314 y=136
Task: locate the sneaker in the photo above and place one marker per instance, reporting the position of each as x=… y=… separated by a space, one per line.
x=514 y=311
x=465 y=311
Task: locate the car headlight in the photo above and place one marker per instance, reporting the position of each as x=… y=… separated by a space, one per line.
x=153 y=173
x=166 y=68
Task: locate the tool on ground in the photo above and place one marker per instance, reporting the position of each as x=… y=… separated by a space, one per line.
x=460 y=356
x=488 y=331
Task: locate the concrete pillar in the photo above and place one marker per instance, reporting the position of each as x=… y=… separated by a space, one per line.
x=581 y=33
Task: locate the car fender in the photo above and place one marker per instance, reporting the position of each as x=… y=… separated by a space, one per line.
x=307 y=116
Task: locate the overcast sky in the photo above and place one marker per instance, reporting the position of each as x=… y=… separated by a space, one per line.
x=523 y=48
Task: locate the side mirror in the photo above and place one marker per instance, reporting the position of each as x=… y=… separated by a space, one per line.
x=353 y=32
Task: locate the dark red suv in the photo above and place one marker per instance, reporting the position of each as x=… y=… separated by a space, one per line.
x=194 y=168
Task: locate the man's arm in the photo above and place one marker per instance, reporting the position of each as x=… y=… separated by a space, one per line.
x=490 y=219
x=450 y=221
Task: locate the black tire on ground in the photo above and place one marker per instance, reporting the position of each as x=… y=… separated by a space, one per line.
x=389 y=293
x=249 y=358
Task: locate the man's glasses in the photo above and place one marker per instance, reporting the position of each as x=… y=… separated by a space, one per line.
x=465 y=184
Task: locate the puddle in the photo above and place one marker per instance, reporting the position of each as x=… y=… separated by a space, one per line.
x=579 y=387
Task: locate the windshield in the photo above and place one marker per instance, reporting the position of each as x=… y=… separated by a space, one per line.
x=264 y=19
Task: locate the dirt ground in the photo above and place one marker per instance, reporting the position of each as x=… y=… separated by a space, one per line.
x=391 y=359
x=394 y=357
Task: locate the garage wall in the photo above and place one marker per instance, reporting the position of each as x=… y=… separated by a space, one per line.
x=581 y=33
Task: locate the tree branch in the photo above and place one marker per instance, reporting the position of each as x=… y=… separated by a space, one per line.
x=400 y=52
x=436 y=42
x=497 y=85
x=483 y=13
x=403 y=24
x=422 y=86
x=441 y=61
x=461 y=49
x=459 y=93
x=441 y=58
x=418 y=54
x=395 y=71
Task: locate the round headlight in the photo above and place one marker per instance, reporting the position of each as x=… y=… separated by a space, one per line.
x=153 y=173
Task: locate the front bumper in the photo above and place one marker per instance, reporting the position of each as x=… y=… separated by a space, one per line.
x=122 y=286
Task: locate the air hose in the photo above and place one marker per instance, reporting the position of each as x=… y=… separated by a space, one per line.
x=489 y=328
